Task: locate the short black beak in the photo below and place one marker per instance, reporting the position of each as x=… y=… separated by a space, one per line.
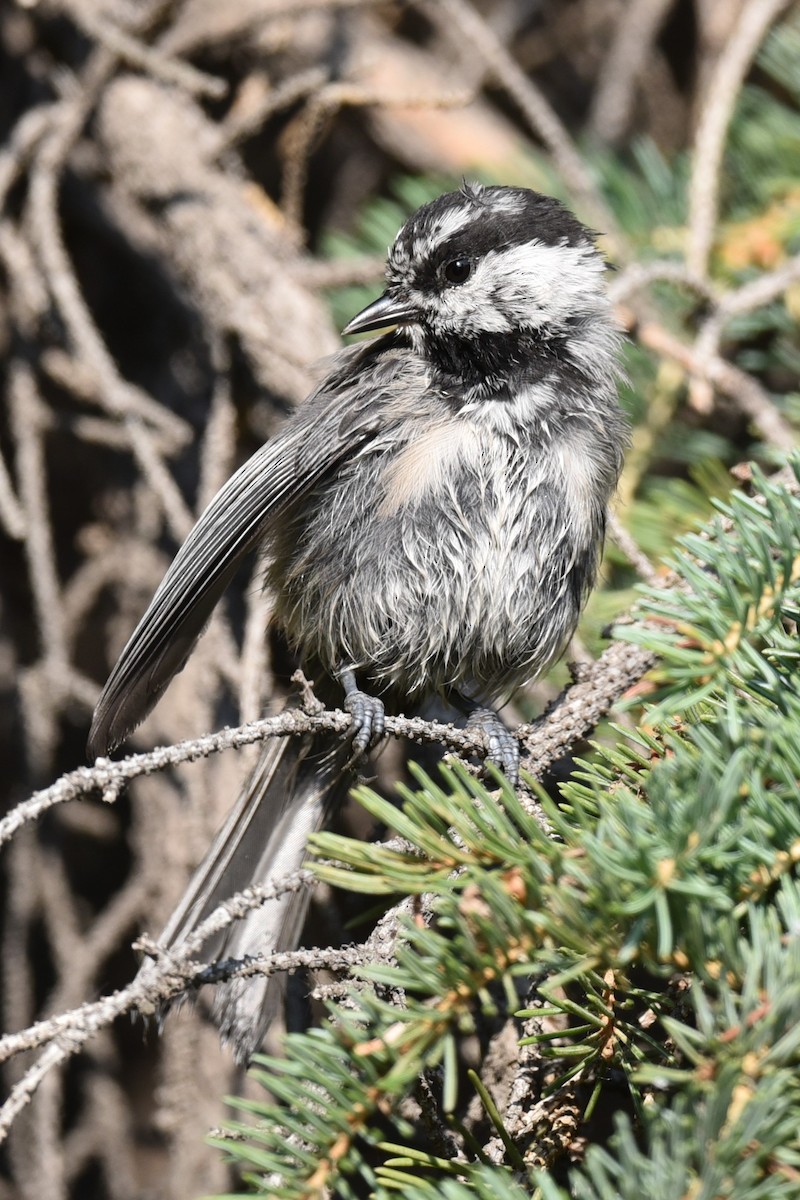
x=386 y=310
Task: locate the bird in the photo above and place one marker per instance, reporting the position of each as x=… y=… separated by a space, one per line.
x=431 y=521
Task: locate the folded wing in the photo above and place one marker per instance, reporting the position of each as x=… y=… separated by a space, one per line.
x=314 y=443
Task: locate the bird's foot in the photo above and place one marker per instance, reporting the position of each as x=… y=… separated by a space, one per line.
x=503 y=747
x=368 y=713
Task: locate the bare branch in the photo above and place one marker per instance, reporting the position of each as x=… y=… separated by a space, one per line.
x=581 y=706
x=760 y=291
x=11 y=515
x=637 y=28
x=66 y=292
x=27 y=415
x=307 y=128
x=571 y=717
x=130 y=49
x=343 y=272
x=110 y=777
x=756 y=18
x=15 y=155
x=741 y=387
x=631 y=550
x=65 y=1034
x=256 y=102
x=638 y=276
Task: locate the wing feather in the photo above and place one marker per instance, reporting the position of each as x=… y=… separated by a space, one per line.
x=314 y=443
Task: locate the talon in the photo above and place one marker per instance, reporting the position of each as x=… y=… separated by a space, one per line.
x=503 y=748
x=368 y=719
x=368 y=713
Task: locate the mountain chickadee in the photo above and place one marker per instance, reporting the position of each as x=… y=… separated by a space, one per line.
x=431 y=519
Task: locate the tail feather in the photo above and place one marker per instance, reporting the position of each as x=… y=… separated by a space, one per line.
x=295 y=786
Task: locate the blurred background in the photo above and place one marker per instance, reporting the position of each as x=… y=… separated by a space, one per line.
x=194 y=198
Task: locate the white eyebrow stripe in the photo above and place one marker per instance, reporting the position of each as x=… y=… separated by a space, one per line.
x=450 y=222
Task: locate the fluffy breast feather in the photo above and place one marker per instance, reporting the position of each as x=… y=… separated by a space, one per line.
x=427 y=460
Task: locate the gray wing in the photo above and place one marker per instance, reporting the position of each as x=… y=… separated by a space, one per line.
x=327 y=429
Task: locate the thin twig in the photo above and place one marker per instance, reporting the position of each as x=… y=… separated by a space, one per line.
x=65 y=1034
x=168 y=973
x=110 y=777
x=236 y=22
x=752 y=295
x=300 y=138
x=638 y=276
x=756 y=18
x=760 y=291
x=731 y=381
x=631 y=550
x=256 y=102
x=614 y=672
x=43 y=200
x=579 y=708
x=27 y=132
x=27 y=418
x=12 y=517
x=129 y=48
x=345 y=272
x=702 y=360
x=637 y=28
x=168 y=429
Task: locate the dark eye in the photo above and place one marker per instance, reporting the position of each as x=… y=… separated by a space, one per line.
x=458 y=271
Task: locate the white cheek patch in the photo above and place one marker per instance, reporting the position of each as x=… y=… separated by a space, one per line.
x=523 y=287
x=535 y=281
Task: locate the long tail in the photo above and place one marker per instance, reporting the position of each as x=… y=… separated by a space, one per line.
x=296 y=785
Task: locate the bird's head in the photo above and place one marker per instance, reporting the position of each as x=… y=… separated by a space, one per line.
x=486 y=261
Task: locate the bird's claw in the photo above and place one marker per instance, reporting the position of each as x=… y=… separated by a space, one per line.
x=503 y=747
x=369 y=719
